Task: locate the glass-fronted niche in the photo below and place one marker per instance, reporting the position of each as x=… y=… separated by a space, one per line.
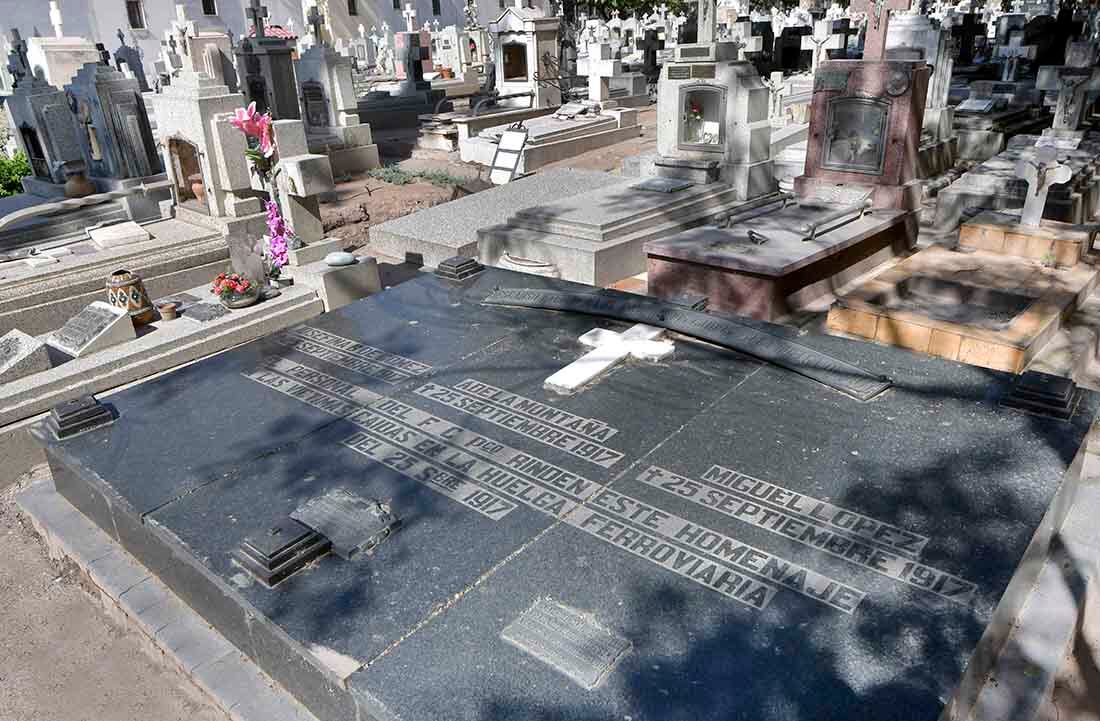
x=702 y=117
x=855 y=138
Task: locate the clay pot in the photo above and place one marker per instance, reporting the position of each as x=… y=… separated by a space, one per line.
x=198 y=188
x=77 y=185
x=168 y=311
x=125 y=290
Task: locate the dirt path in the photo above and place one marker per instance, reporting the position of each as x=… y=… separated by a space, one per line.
x=63 y=659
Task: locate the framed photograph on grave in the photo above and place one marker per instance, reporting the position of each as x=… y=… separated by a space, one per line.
x=702 y=116
x=855 y=138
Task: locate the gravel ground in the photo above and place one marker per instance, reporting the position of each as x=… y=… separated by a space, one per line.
x=63 y=658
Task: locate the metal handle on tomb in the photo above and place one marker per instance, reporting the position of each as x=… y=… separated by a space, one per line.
x=726 y=220
x=494 y=98
x=810 y=230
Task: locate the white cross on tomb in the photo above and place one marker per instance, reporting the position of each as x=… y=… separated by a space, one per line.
x=1040 y=172
x=821 y=41
x=410 y=18
x=609 y=349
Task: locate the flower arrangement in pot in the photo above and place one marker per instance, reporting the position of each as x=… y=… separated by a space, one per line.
x=235 y=291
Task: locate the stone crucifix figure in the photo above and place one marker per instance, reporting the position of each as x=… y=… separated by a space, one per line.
x=821 y=41
x=1041 y=171
x=878 y=19
x=410 y=18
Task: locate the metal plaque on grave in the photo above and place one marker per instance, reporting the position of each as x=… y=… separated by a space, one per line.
x=568 y=641
x=830 y=80
x=352 y=523
x=679 y=72
x=703 y=72
x=205 y=312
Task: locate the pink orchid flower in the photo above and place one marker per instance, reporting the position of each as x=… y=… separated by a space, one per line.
x=247 y=120
x=266 y=135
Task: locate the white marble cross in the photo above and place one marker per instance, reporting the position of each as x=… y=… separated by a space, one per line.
x=609 y=349
x=410 y=18
x=1040 y=172
x=601 y=68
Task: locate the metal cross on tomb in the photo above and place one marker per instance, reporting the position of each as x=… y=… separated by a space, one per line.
x=257 y=12
x=410 y=18
x=1040 y=172
x=878 y=18
x=609 y=349
x=316 y=20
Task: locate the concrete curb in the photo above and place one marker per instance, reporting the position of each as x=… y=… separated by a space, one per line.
x=167 y=626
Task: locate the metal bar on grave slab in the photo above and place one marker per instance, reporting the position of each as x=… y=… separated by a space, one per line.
x=494 y=98
x=847 y=214
x=773 y=348
x=756 y=206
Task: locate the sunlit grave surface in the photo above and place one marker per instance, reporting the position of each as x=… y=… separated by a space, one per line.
x=810 y=528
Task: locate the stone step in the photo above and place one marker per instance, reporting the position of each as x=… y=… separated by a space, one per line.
x=1074 y=351
x=65 y=227
x=705 y=200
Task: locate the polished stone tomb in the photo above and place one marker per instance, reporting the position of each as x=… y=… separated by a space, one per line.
x=718 y=535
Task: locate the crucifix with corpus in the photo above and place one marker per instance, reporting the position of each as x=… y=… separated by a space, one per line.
x=878 y=18
x=410 y=18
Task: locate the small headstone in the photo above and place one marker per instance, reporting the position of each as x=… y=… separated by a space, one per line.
x=21 y=355
x=93 y=329
x=112 y=236
x=205 y=312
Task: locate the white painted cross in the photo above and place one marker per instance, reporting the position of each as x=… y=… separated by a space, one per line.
x=601 y=68
x=609 y=349
x=55 y=19
x=410 y=18
x=1040 y=172
x=821 y=40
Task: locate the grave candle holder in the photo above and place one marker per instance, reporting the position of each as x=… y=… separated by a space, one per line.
x=125 y=290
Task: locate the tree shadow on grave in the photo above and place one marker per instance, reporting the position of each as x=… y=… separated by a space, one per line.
x=821 y=674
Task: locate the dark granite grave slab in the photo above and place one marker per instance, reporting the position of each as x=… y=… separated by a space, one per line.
x=508 y=498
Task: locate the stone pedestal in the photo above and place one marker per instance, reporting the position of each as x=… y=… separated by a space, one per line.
x=1051 y=242
x=59 y=59
x=339 y=286
x=712 y=120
